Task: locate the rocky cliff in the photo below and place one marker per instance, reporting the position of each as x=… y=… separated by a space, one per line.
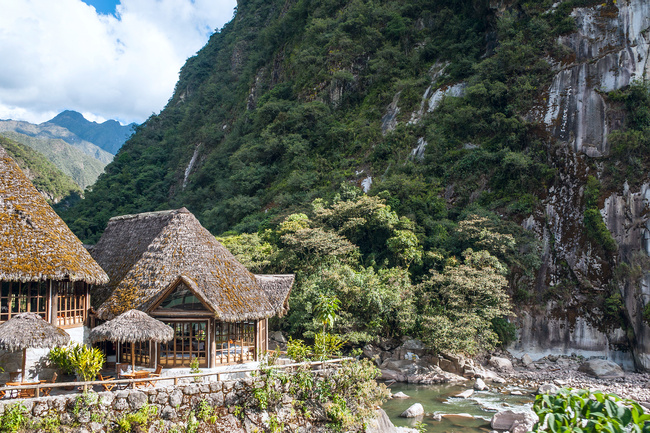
x=609 y=51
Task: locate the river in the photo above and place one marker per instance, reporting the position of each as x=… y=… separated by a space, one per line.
x=439 y=399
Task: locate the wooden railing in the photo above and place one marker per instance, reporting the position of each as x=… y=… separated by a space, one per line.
x=132 y=382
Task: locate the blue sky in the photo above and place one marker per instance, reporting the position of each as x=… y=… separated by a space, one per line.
x=106 y=59
x=106 y=7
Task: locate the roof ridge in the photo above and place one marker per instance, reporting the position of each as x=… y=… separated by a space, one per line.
x=143 y=215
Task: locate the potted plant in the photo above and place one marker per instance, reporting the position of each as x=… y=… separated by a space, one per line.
x=87 y=361
x=59 y=357
x=80 y=360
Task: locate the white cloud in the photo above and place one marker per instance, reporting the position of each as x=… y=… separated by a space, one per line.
x=61 y=54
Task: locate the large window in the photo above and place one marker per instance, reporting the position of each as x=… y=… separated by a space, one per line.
x=235 y=342
x=71 y=306
x=141 y=352
x=190 y=341
x=16 y=297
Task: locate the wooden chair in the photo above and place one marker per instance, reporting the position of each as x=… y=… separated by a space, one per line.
x=120 y=368
x=106 y=386
x=156 y=373
x=46 y=391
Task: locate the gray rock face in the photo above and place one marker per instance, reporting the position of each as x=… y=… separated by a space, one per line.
x=507 y=419
x=413 y=411
x=601 y=368
x=611 y=51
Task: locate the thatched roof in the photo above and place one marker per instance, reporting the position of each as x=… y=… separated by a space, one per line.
x=27 y=330
x=35 y=244
x=131 y=327
x=277 y=288
x=145 y=254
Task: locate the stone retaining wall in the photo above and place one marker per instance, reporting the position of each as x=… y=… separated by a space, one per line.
x=99 y=412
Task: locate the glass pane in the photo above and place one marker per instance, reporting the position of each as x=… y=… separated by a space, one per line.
x=182 y=298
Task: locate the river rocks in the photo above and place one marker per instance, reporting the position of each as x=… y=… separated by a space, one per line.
x=465 y=394
x=382 y=424
x=526 y=360
x=479 y=385
x=400 y=395
x=503 y=365
x=508 y=419
x=601 y=368
x=413 y=411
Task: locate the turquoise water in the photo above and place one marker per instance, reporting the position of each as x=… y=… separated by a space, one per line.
x=439 y=399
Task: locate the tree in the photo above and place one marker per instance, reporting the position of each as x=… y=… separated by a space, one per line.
x=460 y=302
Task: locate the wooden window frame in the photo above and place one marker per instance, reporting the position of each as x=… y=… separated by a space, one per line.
x=142 y=353
x=182 y=361
x=71 y=303
x=231 y=338
x=21 y=296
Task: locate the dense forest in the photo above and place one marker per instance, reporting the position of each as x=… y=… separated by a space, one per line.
x=301 y=136
x=48 y=179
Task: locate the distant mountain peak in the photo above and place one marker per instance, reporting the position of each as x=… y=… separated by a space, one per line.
x=109 y=135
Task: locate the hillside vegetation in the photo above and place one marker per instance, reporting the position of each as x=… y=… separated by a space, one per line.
x=276 y=123
x=48 y=179
x=82 y=168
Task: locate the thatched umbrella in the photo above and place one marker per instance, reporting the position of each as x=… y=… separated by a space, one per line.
x=132 y=326
x=29 y=330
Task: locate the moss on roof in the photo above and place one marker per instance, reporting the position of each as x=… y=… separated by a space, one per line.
x=35 y=244
x=144 y=254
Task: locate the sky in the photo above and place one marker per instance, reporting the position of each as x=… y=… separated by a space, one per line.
x=107 y=59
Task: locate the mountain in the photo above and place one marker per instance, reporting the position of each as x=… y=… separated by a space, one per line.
x=471 y=119
x=82 y=168
x=48 y=179
x=109 y=135
x=49 y=131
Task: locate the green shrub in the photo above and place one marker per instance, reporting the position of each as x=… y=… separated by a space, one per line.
x=583 y=411
x=141 y=418
x=13 y=418
x=506 y=331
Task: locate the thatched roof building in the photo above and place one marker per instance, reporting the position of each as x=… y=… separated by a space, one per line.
x=35 y=244
x=147 y=255
x=277 y=288
x=132 y=326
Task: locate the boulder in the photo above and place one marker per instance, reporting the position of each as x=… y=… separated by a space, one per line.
x=479 y=385
x=372 y=352
x=601 y=368
x=547 y=388
x=526 y=360
x=277 y=336
x=413 y=411
x=503 y=365
x=400 y=395
x=413 y=344
x=465 y=394
x=507 y=419
x=382 y=424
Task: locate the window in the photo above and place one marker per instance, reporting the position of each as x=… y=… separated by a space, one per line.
x=182 y=299
x=190 y=341
x=16 y=297
x=235 y=342
x=141 y=352
x=71 y=305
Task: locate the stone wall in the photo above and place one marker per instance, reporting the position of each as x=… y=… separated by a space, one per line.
x=175 y=405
